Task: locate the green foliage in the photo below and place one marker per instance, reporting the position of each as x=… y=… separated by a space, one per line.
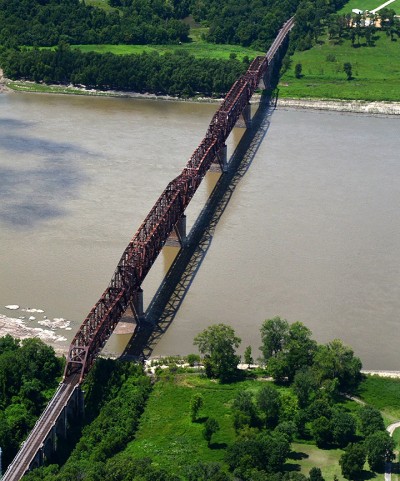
x=244 y=411
x=29 y=373
x=192 y=359
x=380 y=449
x=305 y=385
x=274 y=333
x=195 y=404
x=34 y=22
x=352 y=461
x=343 y=426
x=315 y=474
x=286 y=348
x=206 y=472
x=321 y=431
x=348 y=70
x=172 y=74
x=337 y=361
x=218 y=343
x=244 y=22
x=268 y=402
x=248 y=358
x=371 y=420
x=265 y=452
x=297 y=70
x=211 y=426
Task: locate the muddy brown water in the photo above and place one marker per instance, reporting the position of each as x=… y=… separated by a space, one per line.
x=311 y=233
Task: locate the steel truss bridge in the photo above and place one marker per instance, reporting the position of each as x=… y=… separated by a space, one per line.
x=140 y=254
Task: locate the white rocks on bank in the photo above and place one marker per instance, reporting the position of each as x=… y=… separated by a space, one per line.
x=356 y=106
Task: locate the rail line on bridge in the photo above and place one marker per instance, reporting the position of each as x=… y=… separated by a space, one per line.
x=151 y=236
x=142 y=251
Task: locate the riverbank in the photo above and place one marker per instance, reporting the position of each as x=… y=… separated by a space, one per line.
x=337 y=105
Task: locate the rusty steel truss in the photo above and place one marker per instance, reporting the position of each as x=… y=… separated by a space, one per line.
x=146 y=244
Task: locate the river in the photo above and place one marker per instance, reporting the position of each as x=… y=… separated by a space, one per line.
x=310 y=234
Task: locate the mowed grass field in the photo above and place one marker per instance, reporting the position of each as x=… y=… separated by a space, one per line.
x=368 y=5
x=197 y=48
x=384 y=394
x=375 y=70
x=169 y=437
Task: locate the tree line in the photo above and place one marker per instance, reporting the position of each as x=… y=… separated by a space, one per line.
x=176 y=74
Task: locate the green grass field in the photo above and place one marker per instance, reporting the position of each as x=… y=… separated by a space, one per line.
x=368 y=5
x=376 y=72
x=167 y=435
x=99 y=3
x=198 y=49
x=384 y=394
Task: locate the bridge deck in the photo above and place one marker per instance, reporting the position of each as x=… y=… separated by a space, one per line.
x=41 y=430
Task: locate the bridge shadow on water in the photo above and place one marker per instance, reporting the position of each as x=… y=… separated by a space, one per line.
x=174 y=287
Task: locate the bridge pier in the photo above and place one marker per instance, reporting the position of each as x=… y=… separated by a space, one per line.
x=136 y=305
x=177 y=238
x=220 y=163
x=244 y=120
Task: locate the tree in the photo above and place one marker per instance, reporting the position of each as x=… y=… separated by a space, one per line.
x=337 y=361
x=343 y=427
x=371 y=420
x=244 y=411
x=315 y=474
x=264 y=452
x=297 y=70
x=206 y=472
x=321 y=431
x=248 y=359
x=286 y=348
x=274 y=334
x=347 y=68
x=268 y=401
x=352 y=461
x=218 y=343
x=300 y=348
x=305 y=385
x=379 y=447
x=211 y=426
x=195 y=404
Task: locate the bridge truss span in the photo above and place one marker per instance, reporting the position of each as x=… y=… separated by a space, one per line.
x=137 y=259
x=146 y=244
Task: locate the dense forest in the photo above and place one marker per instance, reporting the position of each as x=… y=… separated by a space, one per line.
x=29 y=374
x=62 y=23
x=173 y=74
x=47 y=22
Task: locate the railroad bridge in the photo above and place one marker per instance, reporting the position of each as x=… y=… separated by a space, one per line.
x=164 y=220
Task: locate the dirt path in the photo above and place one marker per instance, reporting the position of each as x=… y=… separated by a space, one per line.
x=388 y=466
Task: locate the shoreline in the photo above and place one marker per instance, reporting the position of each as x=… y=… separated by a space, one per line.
x=334 y=105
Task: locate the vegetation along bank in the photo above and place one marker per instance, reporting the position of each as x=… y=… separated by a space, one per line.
x=291 y=419
x=189 y=49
